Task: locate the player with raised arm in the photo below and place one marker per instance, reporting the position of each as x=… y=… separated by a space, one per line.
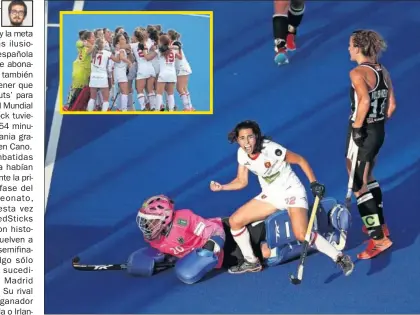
x=145 y=71
x=81 y=66
x=372 y=103
x=120 y=70
x=286 y=19
x=281 y=190
x=99 y=75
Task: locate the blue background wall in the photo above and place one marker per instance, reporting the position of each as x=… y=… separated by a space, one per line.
x=195 y=32
x=107 y=165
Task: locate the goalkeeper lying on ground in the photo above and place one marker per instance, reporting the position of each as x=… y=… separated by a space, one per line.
x=196 y=245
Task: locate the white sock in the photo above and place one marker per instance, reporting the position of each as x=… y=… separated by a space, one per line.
x=152 y=100
x=141 y=99
x=130 y=104
x=185 y=101
x=105 y=106
x=124 y=99
x=158 y=101
x=322 y=245
x=91 y=105
x=189 y=99
x=243 y=239
x=171 y=102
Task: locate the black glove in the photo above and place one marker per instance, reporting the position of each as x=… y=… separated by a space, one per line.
x=177 y=43
x=359 y=136
x=318 y=189
x=140 y=46
x=163 y=48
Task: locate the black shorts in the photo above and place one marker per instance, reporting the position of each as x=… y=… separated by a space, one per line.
x=232 y=253
x=372 y=144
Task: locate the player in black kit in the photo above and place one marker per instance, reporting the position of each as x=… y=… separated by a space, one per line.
x=372 y=103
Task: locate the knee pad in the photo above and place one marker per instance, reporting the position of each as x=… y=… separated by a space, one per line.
x=193 y=267
x=358 y=175
x=340 y=218
x=279 y=230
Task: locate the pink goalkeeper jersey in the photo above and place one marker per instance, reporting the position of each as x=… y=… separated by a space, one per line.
x=189 y=232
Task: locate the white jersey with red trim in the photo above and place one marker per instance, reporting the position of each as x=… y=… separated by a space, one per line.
x=270 y=165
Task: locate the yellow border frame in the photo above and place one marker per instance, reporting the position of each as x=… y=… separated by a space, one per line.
x=209 y=13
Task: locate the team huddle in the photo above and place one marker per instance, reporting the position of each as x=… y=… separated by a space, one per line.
x=110 y=66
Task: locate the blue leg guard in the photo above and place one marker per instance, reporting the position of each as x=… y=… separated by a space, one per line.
x=193 y=267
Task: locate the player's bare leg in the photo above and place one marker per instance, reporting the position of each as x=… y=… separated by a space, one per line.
x=299 y=220
x=140 y=85
x=182 y=88
x=105 y=96
x=92 y=100
x=369 y=212
x=254 y=210
x=160 y=88
x=150 y=88
x=280 y=31
x=169 y=89
x=124 y=88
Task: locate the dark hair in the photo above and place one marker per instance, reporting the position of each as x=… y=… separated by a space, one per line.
x=82 y=32
x=249 y=124
x=18 y=2
x=173 y=35
x=117 y=38
x=370 y=42
x=164 y=45
x=153 y=33
x=86 y=35
x=118 y=29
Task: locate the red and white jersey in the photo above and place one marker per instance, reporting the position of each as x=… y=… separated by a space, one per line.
x=189 y=231
x=167 y=63
x=100 y=61
x=270 y=165
x=121 y=64
x=139 y=54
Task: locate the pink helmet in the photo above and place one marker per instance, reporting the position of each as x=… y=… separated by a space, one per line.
x=155 y=215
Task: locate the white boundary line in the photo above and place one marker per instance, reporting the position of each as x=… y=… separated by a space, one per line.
x=55 y=131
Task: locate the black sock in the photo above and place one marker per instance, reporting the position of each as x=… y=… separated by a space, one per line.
x=377 y=194
x=280 y=25
x=295 y=16
x=368 y=210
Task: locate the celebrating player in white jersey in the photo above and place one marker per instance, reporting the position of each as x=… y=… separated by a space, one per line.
x=183 y=71
x=145 y=71
x=99 y=75
x=167 y=72
x=281 y=190
x=120 y=70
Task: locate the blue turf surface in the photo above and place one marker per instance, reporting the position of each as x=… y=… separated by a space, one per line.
x=106 y=168
x=193 y=29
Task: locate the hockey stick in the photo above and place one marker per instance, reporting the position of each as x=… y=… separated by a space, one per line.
x=298 y=278
x=354 y=149
x=112 y=267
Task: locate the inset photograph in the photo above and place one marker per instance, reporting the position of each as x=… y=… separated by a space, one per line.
x=17 y=13
x=148 y=62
